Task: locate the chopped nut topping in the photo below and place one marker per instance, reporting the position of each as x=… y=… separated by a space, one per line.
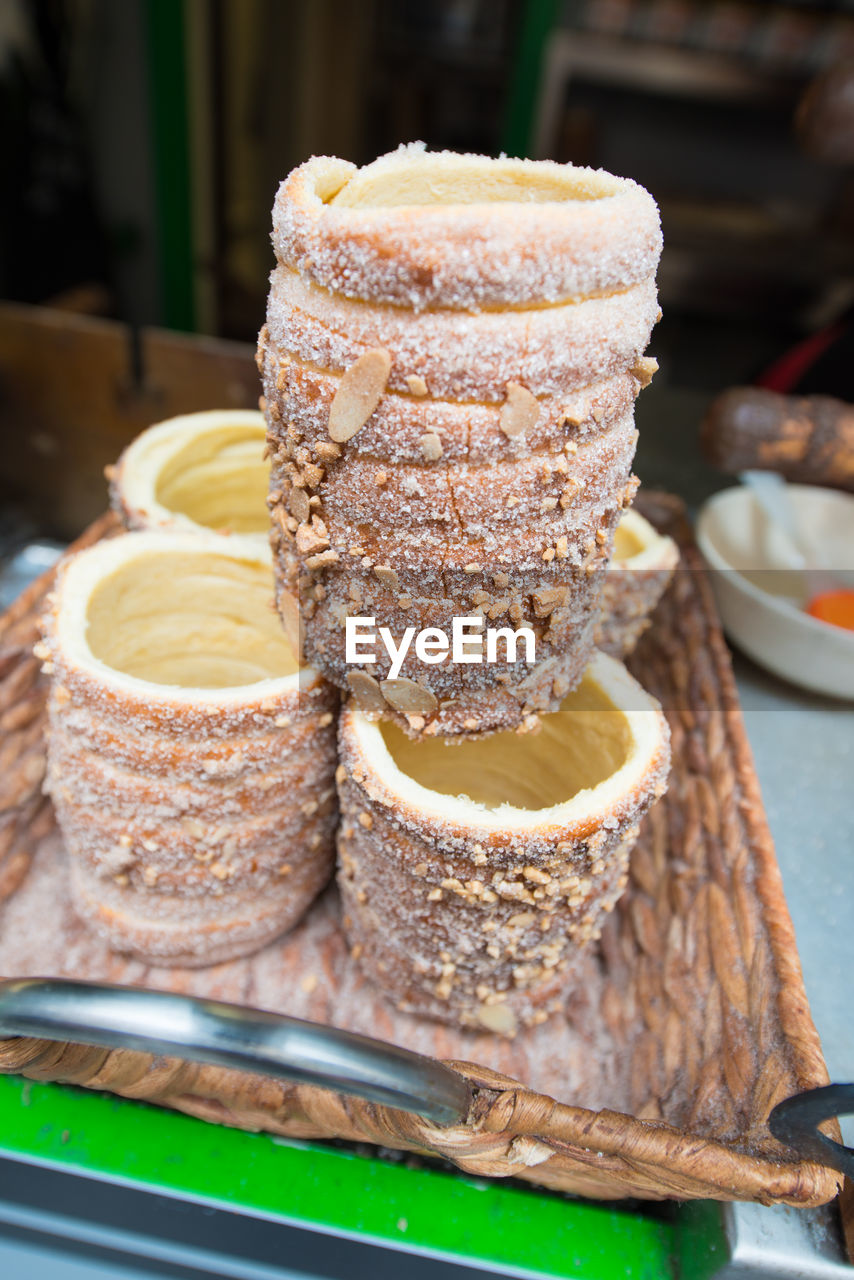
x=327 y=450
x=522 y=919
x=644 y=370
x=499 y=1018
x=416 y=384
x=519 y=412
x=431 y=446
x=546 y=599
x=312 y=537
x=388 y=577
x=571 y=489
x=358 y=394
x=322 y=560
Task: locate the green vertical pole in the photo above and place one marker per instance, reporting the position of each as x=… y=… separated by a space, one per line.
x=167 y=74
x=537 y=21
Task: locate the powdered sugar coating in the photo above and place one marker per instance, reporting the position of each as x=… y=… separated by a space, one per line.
x=511 y=303
x=374 y=527
x=598 y=233
x=298 y=397
x=453 y=911
x=199 y=824
x=552 y=350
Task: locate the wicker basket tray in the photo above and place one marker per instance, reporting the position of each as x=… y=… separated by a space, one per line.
x=690 y=1025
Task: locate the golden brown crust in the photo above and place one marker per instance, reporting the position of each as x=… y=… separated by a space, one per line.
x=460 y=916
x=633 y=586
x=553 y=350
x=450 y=412
x=520 y=534
x=199 y=822
x=593 y=233
x=196 y=473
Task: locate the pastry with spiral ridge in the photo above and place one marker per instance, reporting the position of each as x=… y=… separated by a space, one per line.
x=201 y=471
x=638 y=573
x=190 y=760
x=472 y=874
x=450 y=414
x=354 y=231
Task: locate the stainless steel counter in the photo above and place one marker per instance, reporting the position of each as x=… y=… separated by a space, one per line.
x=803 y=746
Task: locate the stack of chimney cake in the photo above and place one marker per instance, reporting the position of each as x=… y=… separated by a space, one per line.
x=450 y=360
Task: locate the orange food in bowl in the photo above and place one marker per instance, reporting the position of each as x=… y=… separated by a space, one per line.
x=835 y=607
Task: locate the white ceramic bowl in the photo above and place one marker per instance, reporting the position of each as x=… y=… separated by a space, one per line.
x=760 y=598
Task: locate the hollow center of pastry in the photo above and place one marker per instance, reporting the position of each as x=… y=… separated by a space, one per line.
x=578 y=747
x=626 y=543
x=197 y=620
x=432 y=180
x=219 y=480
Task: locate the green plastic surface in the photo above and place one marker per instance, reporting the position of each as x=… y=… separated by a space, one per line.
x=337 y=1191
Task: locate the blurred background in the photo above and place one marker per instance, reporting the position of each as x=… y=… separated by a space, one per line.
x=142 y=143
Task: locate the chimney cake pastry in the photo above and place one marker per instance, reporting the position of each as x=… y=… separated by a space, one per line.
x=472 y=873
x=638 y=573
x=451 y=356
x=190 y=761
x=202 y=471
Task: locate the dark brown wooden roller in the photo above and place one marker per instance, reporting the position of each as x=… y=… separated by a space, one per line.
x=807 y=439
